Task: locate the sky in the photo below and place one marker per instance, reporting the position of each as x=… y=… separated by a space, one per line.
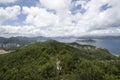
x=53 y=18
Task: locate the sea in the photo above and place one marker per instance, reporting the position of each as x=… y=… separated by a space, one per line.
x=112 y=45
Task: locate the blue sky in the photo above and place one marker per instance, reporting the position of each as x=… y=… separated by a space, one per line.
x=59 y=17
x=21 y=3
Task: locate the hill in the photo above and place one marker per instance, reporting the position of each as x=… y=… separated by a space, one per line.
x=77 y=62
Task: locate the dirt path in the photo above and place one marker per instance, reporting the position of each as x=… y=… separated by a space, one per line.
x=3 y=51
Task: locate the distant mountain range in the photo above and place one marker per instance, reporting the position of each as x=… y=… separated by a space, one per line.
x=21 y=41
x=14 y=42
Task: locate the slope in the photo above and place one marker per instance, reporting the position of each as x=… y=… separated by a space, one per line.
x=38 y=62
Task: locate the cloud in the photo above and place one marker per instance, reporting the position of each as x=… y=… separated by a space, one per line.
x=77 y=18
x=56 y=4
x=59 y=24
x=39 y=17
x=105 y=32
x=64 y=23
x=94 y=18
x=9 y=13
x=7 y=1
x=26 y=30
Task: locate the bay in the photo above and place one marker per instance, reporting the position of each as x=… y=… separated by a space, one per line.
x=112 y=45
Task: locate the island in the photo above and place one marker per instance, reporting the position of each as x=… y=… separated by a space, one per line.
x=85 y=40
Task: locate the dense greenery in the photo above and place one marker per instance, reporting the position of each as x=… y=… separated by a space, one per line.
x=79 y=62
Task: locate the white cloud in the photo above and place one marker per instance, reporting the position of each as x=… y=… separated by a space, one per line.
x=55 y=24
x=62 y=8
x=61 y=22
x=39 y=17
x=26 y=30
x=56 y=4
x=110 y=31
x=64 y=23
x=9 y=13
x=8 y=31
x=7 y=1
x=106 y=18
x=94 y=18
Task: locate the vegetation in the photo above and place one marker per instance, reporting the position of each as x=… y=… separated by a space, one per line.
x=79 y=62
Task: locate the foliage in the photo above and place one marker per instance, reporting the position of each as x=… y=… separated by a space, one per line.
x=38 y=62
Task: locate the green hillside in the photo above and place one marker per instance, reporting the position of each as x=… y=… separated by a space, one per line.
x=78 y=62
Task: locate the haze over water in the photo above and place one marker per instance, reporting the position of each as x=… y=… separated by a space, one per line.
x=112 y=45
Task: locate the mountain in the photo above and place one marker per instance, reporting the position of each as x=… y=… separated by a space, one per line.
x=78 y=62
x=2 y=39
x=22 y=39
x=15 y=40
x=13 y=43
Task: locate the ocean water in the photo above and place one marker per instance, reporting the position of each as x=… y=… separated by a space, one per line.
x=112 y=45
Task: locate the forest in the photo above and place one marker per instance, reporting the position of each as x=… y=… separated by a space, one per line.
x=78 y=62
